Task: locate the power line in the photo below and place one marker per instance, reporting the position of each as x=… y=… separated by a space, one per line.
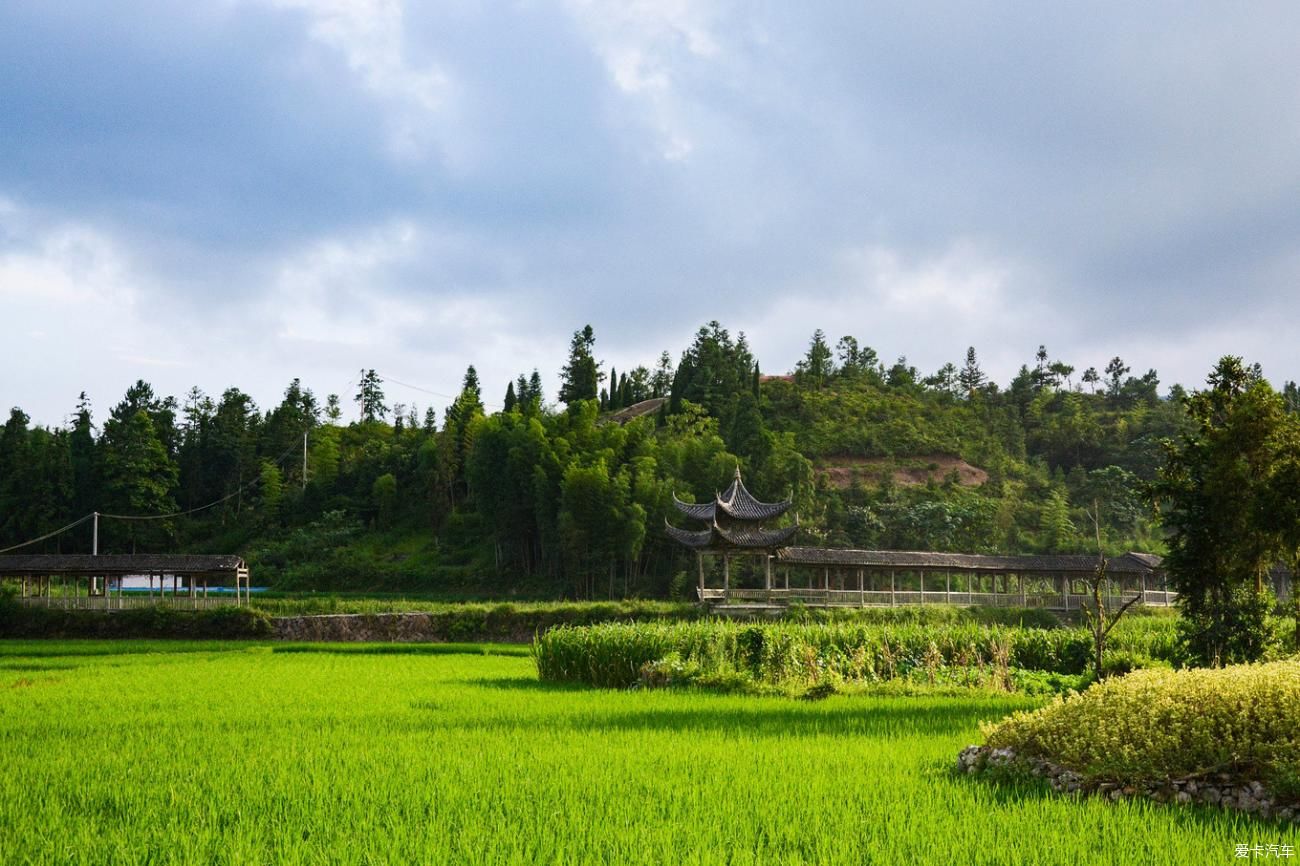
x=229 y=496
x=257 y=479
x=49 y=534
x=384 y=378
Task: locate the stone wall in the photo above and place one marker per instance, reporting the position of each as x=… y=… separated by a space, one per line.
x=399 y=627
x=1218 y=789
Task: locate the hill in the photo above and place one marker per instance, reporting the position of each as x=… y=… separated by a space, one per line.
x=540 y=500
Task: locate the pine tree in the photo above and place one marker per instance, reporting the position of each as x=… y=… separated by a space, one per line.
x=971 y=378
x=535 y=388
x=1115 y=372
x=510 y=401
x=661 y=380
x=581 y=377
x=370 y=397
x=614 y=392
x=817 y=366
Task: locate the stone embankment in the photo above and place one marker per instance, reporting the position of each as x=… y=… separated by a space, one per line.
x=400 y=628
x=1219 y=789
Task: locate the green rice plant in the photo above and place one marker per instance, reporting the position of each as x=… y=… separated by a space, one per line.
x=173 y=752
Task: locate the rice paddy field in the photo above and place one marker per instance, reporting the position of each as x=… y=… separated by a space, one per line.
x=239 y=753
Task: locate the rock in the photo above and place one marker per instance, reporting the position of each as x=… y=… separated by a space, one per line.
x=1183 y=797
x=1211 y=796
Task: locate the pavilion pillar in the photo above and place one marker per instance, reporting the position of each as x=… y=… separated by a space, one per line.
x=726 y=574
x=862 y=592
x=787 y=576
x=699 y=564
x=893 y=588
x=826 y=578
x=923 y=586
x=947 y=587
x=767 y=572
x=1023 y=597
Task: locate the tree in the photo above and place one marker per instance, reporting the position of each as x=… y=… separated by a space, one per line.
x=1059 y=370
x=1058 y=529
x=1100 y=620
x=661 y=380
x=138 y=474
x=1212 y=493
x=1091 y=378
x=271 y=484
x=508 y=404
x=1115 y=372
x=370 y=397
x=1291 y=397
x=383 y=494
x=818 y=365
x=971 y=378
x=581 y=377
x=1042 y=376
x=901 y=375
x=1281 y=510
x=855 y=360
x=332 y=410
x=944 y=381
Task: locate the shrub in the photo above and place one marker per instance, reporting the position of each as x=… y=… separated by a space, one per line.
x=791 y=655
x=1159 y=725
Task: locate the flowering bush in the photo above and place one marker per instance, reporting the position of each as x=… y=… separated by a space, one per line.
x=1155 y=725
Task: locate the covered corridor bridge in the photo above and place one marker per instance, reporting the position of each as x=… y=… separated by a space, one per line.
x=96 y=581
x=819 y=577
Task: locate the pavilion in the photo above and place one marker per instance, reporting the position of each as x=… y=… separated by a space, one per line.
x=734 y=526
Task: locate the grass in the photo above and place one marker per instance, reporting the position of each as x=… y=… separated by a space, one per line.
x=202 y=752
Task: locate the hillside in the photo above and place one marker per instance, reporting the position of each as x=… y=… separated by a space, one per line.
x=541 y=500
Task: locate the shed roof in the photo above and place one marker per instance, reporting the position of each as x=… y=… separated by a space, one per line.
x=119 y=564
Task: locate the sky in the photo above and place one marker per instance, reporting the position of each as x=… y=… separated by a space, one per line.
x=223 y=193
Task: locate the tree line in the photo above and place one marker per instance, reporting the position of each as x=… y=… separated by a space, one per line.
x=557 y=497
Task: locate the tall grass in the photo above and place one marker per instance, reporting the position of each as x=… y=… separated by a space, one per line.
x=613 y=655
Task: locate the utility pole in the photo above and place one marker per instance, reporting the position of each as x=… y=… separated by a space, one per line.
x=94 y=544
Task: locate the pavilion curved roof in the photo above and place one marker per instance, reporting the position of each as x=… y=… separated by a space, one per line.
x=697 y=510
x=718 y=538
x=735 y=502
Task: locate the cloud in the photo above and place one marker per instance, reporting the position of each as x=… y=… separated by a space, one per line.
x=252 y=190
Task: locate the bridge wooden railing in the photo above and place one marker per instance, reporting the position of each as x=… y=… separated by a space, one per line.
x=878 y=598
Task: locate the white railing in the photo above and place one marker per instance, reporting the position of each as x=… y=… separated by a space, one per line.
x=886 y=598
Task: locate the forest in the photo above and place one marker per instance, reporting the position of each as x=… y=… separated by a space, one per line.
x=566 y=497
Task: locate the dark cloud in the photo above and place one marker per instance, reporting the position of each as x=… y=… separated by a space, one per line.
x=451 y=182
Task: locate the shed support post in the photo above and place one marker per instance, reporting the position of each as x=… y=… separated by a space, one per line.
x=893 y=588
x=862 y=593
x=947 y=587
x=922 y=587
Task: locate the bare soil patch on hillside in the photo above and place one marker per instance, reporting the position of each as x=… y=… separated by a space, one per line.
x=842 y=472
